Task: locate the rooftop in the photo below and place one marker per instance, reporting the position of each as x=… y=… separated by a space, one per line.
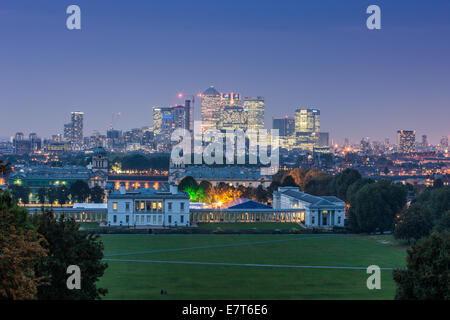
x=314 y=200
x=211 y=91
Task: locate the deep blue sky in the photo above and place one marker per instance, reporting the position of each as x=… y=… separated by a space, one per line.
x=131 y=55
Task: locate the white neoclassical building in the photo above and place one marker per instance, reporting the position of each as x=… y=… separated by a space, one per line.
x=320 y=212
x=148 y=208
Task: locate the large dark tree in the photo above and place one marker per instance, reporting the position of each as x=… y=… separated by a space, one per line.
x=187 y=182
x=319 y=185
x=288 y=181
x=52 y=194
x=375 y=206
x=21 y=193
x=62 y=195
x=67 y=245
x=437 y=200
x=342 y=181
x=97 y=194
x=413 y=223
x=42 y=195
x=20 y=250
x=427 y=275
x=80 y=191
x=444 y=222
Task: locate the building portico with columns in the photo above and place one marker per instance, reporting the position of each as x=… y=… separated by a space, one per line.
x=320 y=212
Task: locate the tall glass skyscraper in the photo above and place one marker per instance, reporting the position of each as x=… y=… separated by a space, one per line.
x=210 y=108
x=157 y=120
x=307 y=120
x=233 y=118
x=406 y=140
x=307 y=128
x=255 y=108
x=285 y=126
x=73 y=131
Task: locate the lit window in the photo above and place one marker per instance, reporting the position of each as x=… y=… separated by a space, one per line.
x=115 y=206
x=159 y=205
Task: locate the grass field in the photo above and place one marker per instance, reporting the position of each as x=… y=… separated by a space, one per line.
x=216 y=266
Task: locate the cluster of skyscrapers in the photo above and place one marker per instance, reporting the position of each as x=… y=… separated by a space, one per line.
x=228 y=111
x=302 y=131
x=219 y=111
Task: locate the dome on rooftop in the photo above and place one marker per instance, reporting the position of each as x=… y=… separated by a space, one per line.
x=211 y=91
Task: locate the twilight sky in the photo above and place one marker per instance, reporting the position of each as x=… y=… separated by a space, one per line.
x=133 y=54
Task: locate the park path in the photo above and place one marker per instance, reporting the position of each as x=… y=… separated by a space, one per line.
x=242 y=264
x=219 y=245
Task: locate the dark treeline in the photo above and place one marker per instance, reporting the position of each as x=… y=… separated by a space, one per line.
x=139 y=161
x=79 y=191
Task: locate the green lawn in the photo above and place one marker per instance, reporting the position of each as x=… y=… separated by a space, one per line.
x=144 y=280
x=245 y=226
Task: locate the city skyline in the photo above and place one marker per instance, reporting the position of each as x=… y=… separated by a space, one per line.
x=366 y=83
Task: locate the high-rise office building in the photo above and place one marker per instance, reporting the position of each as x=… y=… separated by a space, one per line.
x=77 y=123
x=307 y=128
x=166 y=120
x=307 y=120
x=230 y=99
x=443 y=144
x=157 y=120
x=323 y=140
x=233 y=118
x=285 y=126
x=182 y=116
x=210 y=108
x=73 y=131
x=255 y=108
x=406 y=140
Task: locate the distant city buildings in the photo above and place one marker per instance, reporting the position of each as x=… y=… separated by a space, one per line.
x=284 y=125
x=255 y=108
x=210 y=108
x=73 y=131
x=406 y=140
x=307 y=129
x=233 y=118
x=26 y=146
x=227 y=111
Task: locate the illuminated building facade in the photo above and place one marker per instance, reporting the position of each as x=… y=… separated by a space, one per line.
x=157 y=120
x=255 y=107
x=182 y=116
x=148 y=207
x=210 y=108
x=307 y=128
x=323 y=212
x=230 y=99
x=233 y=118
x=73 y=131
x=406 y=140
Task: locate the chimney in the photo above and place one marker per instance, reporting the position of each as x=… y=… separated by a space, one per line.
x=173 y=189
